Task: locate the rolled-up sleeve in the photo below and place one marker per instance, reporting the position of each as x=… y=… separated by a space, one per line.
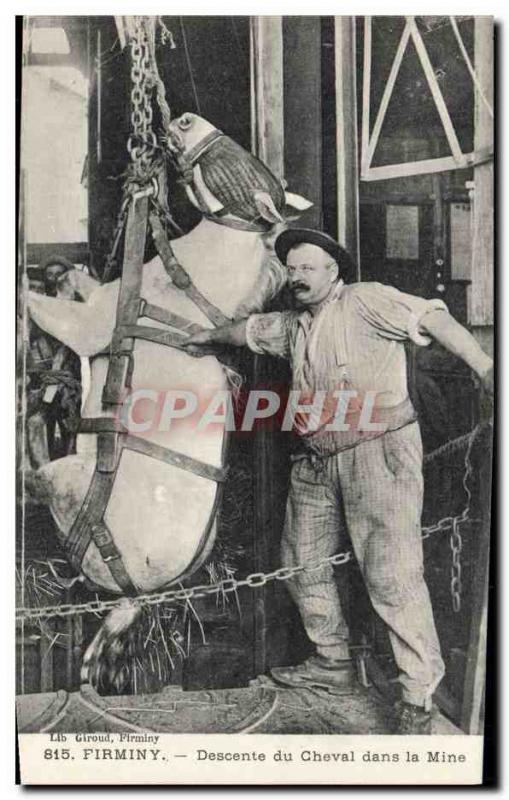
x=394 y=314
x=269 y=334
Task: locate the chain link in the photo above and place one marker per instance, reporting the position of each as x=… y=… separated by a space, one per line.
x=142 y=142
x=258 y=579
x=255 y=580
x=456 y=544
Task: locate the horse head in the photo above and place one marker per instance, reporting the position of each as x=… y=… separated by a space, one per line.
x=222 y=178
x=232 y=187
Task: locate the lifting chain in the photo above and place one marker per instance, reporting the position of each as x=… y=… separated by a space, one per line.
x=142 y=142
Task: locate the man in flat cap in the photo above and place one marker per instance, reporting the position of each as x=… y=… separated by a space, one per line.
x=347 y=340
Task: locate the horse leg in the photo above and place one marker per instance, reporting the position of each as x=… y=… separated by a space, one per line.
x=104 y=664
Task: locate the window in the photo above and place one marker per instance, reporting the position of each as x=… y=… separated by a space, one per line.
x=53 y=151
x=49 y=40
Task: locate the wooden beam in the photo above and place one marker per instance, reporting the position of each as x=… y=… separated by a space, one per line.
x=266 y=36
x=436 y=92
x=267 y=91
x=458 y=160
x=346 y=136
x=481 y=312
x=407 y=169
x=46 y=656
x=77 y=252
x=389 y=86
x=472 y=709
x=302 y=113
x=366 y=95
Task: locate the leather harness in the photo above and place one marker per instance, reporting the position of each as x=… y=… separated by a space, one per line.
x=112 y=436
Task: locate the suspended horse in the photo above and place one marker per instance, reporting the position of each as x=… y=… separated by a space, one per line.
x=136 y=513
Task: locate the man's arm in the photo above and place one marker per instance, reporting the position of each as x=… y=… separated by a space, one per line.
x=234 y=334
x=455 y=338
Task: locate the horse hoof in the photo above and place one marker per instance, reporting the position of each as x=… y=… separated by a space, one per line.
x=104 y=666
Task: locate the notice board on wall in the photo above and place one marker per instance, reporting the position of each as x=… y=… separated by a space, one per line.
x=402 y=232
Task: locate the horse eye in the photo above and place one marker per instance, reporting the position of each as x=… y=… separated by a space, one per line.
x=185 y=121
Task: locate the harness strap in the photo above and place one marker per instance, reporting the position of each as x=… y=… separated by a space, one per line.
x=120 y=365
x=181 y=278
x=90 y=514
x=205 y=144
x=168 y=317
x=89 y=526
x=157 y=335
x=176 y=459
x=176 y=340
x=238 y=224
x=111 y=556
x=101 y=425
x=112 y=436
x=108 y=425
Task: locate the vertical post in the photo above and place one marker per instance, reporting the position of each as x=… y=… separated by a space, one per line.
x=346 y=136
x=481 y=318
x=481 y=290
x=98 y=143
x=267 y=91
x=438 y=232
x=268 y=145
x=303 y=113
x=366 y=96
x=46 y=657
x=472 y=707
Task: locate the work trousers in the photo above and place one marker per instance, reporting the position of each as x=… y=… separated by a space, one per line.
x=376 y=490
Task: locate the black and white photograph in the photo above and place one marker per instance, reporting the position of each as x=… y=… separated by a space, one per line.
x=255 y=348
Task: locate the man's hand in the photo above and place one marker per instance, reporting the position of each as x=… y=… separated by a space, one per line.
x=204 y=342
x=487 y=381
x=199 y=344
x=455 y=338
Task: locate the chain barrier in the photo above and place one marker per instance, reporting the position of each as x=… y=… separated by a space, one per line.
x=254 y=581
x=258 y=579
x=453 y=446
x=456 y=544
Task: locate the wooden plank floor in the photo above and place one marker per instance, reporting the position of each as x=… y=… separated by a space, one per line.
x=260 y=708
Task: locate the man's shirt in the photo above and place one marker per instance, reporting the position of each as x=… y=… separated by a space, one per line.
x=355 y=340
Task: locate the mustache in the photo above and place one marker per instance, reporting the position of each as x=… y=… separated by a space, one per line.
x=298 y=285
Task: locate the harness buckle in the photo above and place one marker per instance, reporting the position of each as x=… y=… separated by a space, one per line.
x=179 y=276
x=120 y=373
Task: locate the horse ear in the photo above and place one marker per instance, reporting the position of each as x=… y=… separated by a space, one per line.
x=266 y=208
x=297 y=202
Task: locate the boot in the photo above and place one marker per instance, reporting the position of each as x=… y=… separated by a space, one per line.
x=337 y=677
x=411 y=720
